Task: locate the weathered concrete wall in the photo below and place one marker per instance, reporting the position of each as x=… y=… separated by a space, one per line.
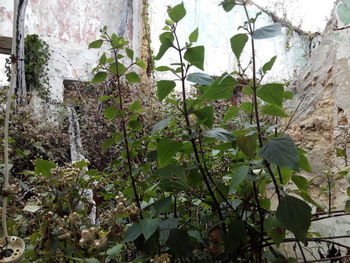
x=68 y=27
x=216 y=27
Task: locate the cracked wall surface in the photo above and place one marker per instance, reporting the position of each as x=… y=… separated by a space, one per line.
x=68 y=27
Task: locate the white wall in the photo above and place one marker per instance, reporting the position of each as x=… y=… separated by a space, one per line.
x=68 y=27
x=216 y=27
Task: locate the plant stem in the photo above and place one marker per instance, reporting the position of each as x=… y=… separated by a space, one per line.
x=125 y=134
x=255 y=102
x=193 y=141
x=261 y=215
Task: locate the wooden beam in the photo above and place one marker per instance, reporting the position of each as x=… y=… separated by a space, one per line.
x=5 y=45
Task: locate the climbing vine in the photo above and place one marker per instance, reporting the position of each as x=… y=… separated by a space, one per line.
x=37 y=56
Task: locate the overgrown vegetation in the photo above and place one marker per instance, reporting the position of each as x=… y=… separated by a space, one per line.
x=37 y=56
x=181 y=182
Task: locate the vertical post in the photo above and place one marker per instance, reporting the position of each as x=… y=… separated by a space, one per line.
x=19 y=17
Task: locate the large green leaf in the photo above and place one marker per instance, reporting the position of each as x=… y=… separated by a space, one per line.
x=200 y=78
x=267 y=31
x=295 y=215
x=219 y=134
x=166 y=149
x=247 y=144
x=177 y=12
x=281 y=151
x=99 y=77
x=274 y=110
x=238 y=43
x=179 y=243
x=272 y=93
x=132 y=233
x=96 y=44
x=228 y=5
x=275 y=230
x=160 y=125
x=221 y=88
x=44 y=167
x=110 y=113
x=230 y=113
x=132 y=77
x=172 y=178
x=166 y=40
x=164 y=87
x=343 y=11
x=206 y=116
x=301 y=182
x=163 y=205
x=195 y=56
x=238 y=177
x=303 y=162
x=149 y=226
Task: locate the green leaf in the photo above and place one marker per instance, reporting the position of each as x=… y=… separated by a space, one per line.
x=115 y=251
x=132 y=233
x=104 y=98
x=31 y=208
x=228 y=5
x=238 y=177
x=103 y=59
x=238 y=43
x=267 y=31
x=221 y=88
x=247 y=107
x=149 y=226
x=300 y=182
x=343 y=12
x=166 y=149
x=166 y=39
x=347 y=206
x=163 y=68
x=271 y=93
x=132 y=77
x=303 y=162
x=281 y=151
x=140 y=63
x=200 y=78
x=219 y=134
x=288 y=95
x=268 y=66
x=121 y=68
x=44 y=167
x=348 y=191
x=164 y=87
x=295 y=215
x=135 y=106
x=172 y=178
x=99 y=77
x=275 y=230
x=110 y=113
x=206 y=116
x=230 y=113
x=195 y=56
x=179 y=243
x=96 y=44
x=274 y=110
x=129 y=53
x=177 y=12
x=194 y=36
x=135 y=125
x=247 y=144
x=235 y=236
x=163 y=206
x=160 y=125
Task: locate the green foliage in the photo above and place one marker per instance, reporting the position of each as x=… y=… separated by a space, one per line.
x=37 y=56
x=193 y=179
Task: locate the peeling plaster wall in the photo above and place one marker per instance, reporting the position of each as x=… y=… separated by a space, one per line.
x=216 y=27
x=68 y=27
